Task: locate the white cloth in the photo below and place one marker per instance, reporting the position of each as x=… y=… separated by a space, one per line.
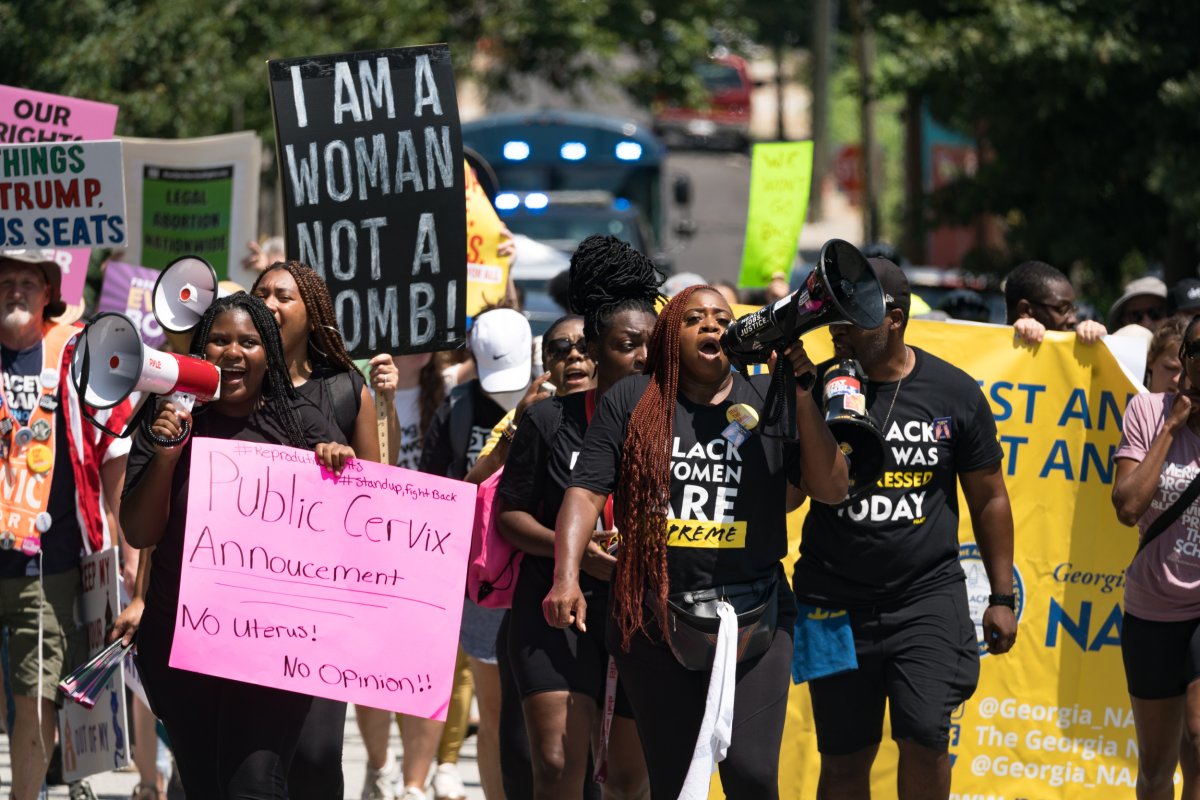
x=716 y=728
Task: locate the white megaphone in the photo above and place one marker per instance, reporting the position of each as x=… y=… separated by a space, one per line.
x=183 y=292
x=111 y=362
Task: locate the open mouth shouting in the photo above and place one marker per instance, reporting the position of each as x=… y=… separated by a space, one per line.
x=710 y=348
x=233 y=376
x=576 y=376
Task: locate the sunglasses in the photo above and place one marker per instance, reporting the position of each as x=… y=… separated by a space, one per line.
x=1152 y=314
x=561 y=348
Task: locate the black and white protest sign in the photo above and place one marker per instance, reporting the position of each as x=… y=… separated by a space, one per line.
x=370 y=155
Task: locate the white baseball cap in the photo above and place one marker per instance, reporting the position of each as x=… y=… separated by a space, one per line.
x=502 y=344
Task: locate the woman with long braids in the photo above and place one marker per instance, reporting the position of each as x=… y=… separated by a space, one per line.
x=323 y=373
x=321 y=369
x=231 y=739
x=701 y=493
x=561 y=674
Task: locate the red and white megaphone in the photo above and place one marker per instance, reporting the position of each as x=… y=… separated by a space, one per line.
x=183 y=292
x=111 y=362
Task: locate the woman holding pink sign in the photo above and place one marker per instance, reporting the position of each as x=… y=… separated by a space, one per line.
x=231 y=739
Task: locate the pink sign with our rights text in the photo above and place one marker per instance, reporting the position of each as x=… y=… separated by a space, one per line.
x=345 y=587
x=28 y=117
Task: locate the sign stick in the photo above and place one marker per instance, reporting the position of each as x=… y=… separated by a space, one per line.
x=381 y=428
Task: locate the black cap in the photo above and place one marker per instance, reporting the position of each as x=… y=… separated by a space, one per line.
x=1184 y=296
x=894 y=283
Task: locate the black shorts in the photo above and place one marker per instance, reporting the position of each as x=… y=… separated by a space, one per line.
x=547 y=659
x=1161 y=658
x=922 y=658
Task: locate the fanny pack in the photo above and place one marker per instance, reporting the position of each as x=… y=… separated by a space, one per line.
x=693 y=622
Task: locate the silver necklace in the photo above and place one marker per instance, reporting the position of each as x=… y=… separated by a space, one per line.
x=896 y=394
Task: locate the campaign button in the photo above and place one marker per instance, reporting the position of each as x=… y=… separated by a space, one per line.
x=49 y=378
x=42 y=522
x=743 y=415
x=40 y=458
x=24 y=436
x=48 y=402
x=7 y=540
x=31 y=545
x=6 y=426
x=41 y=430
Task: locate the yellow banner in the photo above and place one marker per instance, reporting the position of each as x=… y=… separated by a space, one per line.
x=487 y=272
x=1051 y=719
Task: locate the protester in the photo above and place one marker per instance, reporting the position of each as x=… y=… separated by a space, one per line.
x=1164 y=365
x=560 y=674
x=323 y=373
x=657 y=441
x=728 y=291
x=1039 y=298
x=889 y=557
x=501 y=343
x=1160 y=632
x=1144 y=302
x=66 y=468
x=231 y=739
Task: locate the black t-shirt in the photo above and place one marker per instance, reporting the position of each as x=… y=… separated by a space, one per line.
x=261 y=428
x=900 y=539
x=62 y=545
x=319 y=390
x=538 y=469
x=438 y=456
x=727 y=519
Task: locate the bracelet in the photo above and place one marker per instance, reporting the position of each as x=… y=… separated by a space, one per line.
x=1006 y=600
x=509 y=432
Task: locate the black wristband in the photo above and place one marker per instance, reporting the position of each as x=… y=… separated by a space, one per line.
x=1007 y=600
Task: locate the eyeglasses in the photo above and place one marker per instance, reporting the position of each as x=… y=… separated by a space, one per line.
x=1153 y=314
x=561 y=348
x=1064 y=309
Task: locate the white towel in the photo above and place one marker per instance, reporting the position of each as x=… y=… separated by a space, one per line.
x=716 y=729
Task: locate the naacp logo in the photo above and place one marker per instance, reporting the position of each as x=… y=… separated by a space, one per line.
x=978 y=588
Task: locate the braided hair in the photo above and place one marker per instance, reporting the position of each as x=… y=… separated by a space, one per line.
x=644 y=492
x=277 y=391
x=325 y=344
x=609 y=276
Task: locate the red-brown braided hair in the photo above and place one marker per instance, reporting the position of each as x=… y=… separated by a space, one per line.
x=644 y=491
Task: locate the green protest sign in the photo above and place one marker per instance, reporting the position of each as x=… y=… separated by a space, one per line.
x=186 y=212
x=780 y=176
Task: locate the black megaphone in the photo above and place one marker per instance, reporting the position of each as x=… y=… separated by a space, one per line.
x=841 y=288
x=845 y=403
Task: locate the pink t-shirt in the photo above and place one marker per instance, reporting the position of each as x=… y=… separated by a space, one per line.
x=1162 y=581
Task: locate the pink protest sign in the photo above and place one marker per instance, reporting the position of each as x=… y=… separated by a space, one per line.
x=349 y=588
x=27 y=117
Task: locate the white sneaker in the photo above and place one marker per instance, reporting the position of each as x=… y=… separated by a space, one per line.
x=412 y=793
x=380 y=784
x=447 y=784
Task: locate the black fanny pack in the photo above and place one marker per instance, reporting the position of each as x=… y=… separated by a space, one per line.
x=693 y=622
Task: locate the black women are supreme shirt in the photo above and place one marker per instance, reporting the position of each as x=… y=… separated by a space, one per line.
x=727 y=518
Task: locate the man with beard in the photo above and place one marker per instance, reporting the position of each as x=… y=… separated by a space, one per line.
x=879 y=573
x=54 y=469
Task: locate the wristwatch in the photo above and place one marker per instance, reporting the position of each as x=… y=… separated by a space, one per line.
x=1009 y=600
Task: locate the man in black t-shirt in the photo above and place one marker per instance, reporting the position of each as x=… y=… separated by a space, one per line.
x=889 y=559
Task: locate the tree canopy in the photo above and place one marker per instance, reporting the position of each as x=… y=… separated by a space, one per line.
x=199 y=68
x=1087 y=113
